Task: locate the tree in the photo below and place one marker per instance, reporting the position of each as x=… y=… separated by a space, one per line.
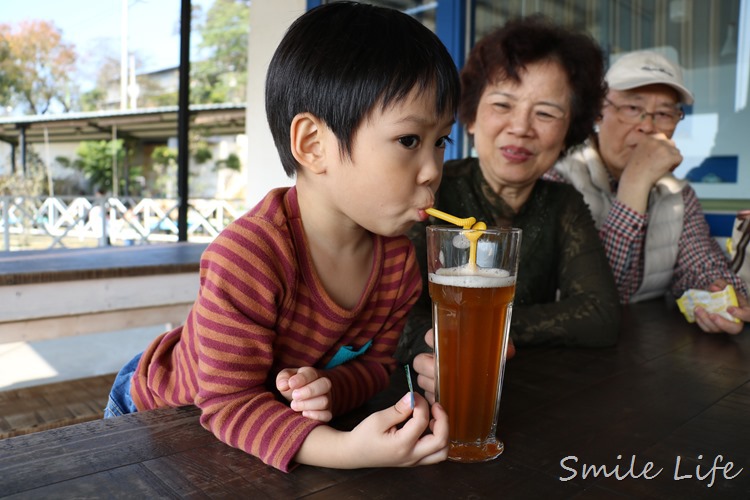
x=151 y=94
x=7 y=74
x=95 y=160
x=221 y=74
x=41 y=66
x=108 y=71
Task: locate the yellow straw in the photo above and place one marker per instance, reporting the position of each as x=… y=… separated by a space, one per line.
x=464 y=223
x=476 y=229
x=473 y=236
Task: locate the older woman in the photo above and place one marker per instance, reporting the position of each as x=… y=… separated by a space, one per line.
x=531 y=90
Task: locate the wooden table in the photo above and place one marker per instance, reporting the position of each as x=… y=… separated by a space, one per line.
x=58 y=293
x=667 y=392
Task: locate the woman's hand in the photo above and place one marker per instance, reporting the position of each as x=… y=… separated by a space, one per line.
x=714 y=323
x=424 y=365
x=307 y=391
x=378 y=441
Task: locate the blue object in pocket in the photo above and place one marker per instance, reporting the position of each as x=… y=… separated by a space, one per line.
x=346 y=353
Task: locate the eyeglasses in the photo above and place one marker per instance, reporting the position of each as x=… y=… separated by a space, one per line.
x=632 y=114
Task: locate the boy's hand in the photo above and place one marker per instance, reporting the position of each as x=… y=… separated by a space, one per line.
x=378 y=441
x=714 y=323
x=308 y=392
x=424 y=365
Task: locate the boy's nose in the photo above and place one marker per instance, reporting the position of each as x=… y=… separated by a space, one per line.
x=431 y=169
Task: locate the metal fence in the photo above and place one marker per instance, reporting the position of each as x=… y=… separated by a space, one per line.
x=35 y=223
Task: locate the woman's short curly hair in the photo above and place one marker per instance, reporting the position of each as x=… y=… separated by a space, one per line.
x=504 y=53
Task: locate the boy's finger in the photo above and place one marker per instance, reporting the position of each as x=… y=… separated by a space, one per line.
x=439 y=423
x=314 y=389
x=402 y=410
x=317 y=403
x=434 y=458
x=304 y=376
x=434 y=447
x=403 y=407
x=282 y=381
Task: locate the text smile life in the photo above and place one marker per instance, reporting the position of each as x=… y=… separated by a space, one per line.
x=709 y=472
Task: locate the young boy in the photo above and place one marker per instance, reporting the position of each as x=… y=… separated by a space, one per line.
x=302 y=299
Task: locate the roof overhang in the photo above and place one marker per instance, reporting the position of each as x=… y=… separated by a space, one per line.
x=147 y=125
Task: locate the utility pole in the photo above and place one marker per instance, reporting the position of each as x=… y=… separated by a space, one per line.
x=124 y=56
x=133 y=89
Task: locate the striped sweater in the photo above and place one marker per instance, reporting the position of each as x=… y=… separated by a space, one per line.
x=261 y=308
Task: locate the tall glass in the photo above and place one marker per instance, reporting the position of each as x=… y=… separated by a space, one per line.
x=471 y=310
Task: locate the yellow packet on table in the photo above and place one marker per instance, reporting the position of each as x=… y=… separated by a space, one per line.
x=714 y=302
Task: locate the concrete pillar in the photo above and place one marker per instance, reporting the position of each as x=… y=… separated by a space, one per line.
x=268 y=23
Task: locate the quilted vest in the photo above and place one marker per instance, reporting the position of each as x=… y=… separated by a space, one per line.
x=584 y=169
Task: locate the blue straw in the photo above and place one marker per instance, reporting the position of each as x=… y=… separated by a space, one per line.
x=411 y=387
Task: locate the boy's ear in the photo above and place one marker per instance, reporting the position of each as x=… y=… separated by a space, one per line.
x=307 y=136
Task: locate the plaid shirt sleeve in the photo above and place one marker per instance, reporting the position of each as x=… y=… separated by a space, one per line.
x=555 y=176
x=623 y=234
x=700 y=260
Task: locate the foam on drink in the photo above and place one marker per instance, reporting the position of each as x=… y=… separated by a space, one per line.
x=468 y=276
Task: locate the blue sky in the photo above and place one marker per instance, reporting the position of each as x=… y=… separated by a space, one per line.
x=94 y=26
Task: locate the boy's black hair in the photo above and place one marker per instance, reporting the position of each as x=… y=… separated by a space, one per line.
x=340 y=60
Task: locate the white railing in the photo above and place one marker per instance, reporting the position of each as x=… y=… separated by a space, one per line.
x=60 y=222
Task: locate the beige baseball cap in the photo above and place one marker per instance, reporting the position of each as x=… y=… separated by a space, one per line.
x=644 y=67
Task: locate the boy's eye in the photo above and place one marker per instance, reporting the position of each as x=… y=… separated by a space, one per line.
x=443 y=142
x=409 y=141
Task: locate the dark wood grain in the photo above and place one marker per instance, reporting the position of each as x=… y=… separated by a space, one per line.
x=666 y=391
x=17 y=268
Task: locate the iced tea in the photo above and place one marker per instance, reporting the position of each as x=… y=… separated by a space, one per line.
x=471 y=319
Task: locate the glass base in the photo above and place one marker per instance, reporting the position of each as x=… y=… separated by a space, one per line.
x=475 y=452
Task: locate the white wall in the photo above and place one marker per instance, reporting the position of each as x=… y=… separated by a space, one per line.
x=55 y=149
x=268 y=23
x=5 y=166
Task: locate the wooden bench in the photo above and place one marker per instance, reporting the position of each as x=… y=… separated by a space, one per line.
x=62 y=293
x=48 y=406
x=58 y=293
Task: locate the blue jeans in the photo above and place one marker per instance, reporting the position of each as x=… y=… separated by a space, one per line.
x=120 y=402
